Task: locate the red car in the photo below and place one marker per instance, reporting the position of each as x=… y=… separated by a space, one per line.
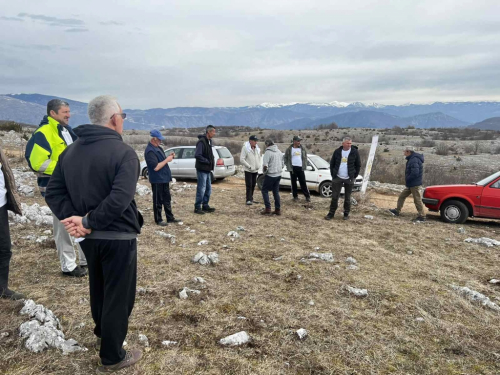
x=457 y=202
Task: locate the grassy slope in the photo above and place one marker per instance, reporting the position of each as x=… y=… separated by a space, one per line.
x=375 y=335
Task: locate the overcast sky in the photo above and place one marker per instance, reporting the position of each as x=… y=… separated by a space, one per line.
x=236 y=53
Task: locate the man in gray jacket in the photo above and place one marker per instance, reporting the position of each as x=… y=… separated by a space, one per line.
x=272 y=166
x=250 y=159
x=296 y=164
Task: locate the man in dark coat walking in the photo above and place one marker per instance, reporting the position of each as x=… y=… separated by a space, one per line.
x=413 y=181
x=344 y=168
x=205 y=164
x=159 y=176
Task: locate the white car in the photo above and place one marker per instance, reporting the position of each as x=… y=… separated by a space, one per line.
x=183 y=165
x=318 y=177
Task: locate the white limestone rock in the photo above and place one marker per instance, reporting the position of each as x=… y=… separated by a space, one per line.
x=167 y=235
x=143 y=339
x=213 y=257
x=233 y=234
x=142 y=190
x=302 y=333
x=351 y=260
x=485 y=241
x=168 y=343
x=327 y=257
x=357 y=291
x=203 y=242
x=184 y=293
x=475 y=297
x=237 y=339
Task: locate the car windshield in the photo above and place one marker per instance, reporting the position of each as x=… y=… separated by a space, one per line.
x=488 y=179
x=319 y=162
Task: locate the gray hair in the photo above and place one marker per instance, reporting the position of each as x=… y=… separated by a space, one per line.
x=102 y=108
x=269 y=142
x=209 y=128
x=409 y=148
x=346 y=139
x=55 y=105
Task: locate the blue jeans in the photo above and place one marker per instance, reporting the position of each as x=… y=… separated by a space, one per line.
x=271 y=184
x=203 y=189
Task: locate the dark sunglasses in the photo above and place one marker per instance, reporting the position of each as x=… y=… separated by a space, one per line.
x=124 y=115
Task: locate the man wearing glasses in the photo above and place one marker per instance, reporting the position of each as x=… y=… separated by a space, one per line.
x=48 y=141
x=92 y=192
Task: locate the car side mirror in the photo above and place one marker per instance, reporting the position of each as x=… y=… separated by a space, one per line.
x=309 y=168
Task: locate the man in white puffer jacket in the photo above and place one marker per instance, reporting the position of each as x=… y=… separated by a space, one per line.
x=250 y=159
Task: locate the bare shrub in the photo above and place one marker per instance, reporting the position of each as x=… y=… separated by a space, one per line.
x=427 y=143
x=11 y=125
x=442 y=149
x=277 y=137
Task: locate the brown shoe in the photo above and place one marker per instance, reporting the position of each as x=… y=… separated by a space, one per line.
x=277 y=212
x=132 y=356
x=266 y=211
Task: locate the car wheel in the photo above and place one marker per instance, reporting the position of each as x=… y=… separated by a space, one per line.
x=212 y=177
x=260 y=181
x=454 y=212
x=145 y=173
x=325 y=189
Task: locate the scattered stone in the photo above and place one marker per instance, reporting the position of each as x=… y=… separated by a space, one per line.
x=4 y=334
x=143 y=340
x=327 y=257
x=352 y=267
x=233 y=234
x=241 y=318
x=302 y=333
x=225 y=247
x=270 y=235
x=184 y=293
x=142 y=190
x=419 y=319
x=311 y=303
x=166 y=235
x=43 y=331
x=354 y=202
x=48 y=231
x=124 y=343
x=282 y=239
x=42 y=239
x=203 y=259
x=485 y=241
x=475 y=297
x=237 y=339
x=461 y=230
x=39 y=215
x=279 y=258
x=83 y=300
x=369 y=217
x=141 y=291
x=299 y=277
x=203 y=242
x=351 y=260
x=81 y=325
x=213 y=257
x=409 y=252
x=198 y=279
x=494 y=281
x=168 y=343
x=317 y=248
x=240 y=229
x=357 y=292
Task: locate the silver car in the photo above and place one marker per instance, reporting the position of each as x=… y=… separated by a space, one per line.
x=183 y=165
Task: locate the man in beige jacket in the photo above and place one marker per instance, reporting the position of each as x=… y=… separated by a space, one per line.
x=250 y=159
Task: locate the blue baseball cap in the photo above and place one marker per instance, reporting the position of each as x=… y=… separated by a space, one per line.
x=156 y=134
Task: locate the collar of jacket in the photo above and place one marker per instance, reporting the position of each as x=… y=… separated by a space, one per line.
x=54 y=123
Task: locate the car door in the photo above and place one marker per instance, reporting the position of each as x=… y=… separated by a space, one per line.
x=311 y=174
x=186 y=163
x=174 y=164
x=490 y=200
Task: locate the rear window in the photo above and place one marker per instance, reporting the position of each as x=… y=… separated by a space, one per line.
x=224 y=153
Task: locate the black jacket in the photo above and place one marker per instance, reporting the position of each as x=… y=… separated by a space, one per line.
x=97 y=175
x=204 y=154
x=414 y=169
x=353 y=162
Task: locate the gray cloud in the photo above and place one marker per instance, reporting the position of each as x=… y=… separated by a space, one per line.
x=11 y=19
x=76 y=30
x=53 y=21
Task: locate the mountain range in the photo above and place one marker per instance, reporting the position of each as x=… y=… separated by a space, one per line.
x=30 y=108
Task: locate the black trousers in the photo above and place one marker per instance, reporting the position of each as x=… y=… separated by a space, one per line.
x=162 y=199
x=299 y=173
x=112 y=266
x=250 y=182
x=337 y=184
x=5 y=248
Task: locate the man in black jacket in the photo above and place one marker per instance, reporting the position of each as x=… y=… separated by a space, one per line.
x=344 y=167
x=92 y=192
x=205 y=165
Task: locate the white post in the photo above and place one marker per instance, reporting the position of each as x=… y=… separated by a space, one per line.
x=369 y=164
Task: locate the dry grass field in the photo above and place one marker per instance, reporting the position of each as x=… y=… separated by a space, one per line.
x=407 y=269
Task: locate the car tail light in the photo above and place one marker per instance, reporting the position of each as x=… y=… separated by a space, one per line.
x=220 y=162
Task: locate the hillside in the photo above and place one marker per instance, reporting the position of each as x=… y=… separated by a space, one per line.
x=488 y=124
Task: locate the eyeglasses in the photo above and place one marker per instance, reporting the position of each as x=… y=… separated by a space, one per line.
x=124 y=115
